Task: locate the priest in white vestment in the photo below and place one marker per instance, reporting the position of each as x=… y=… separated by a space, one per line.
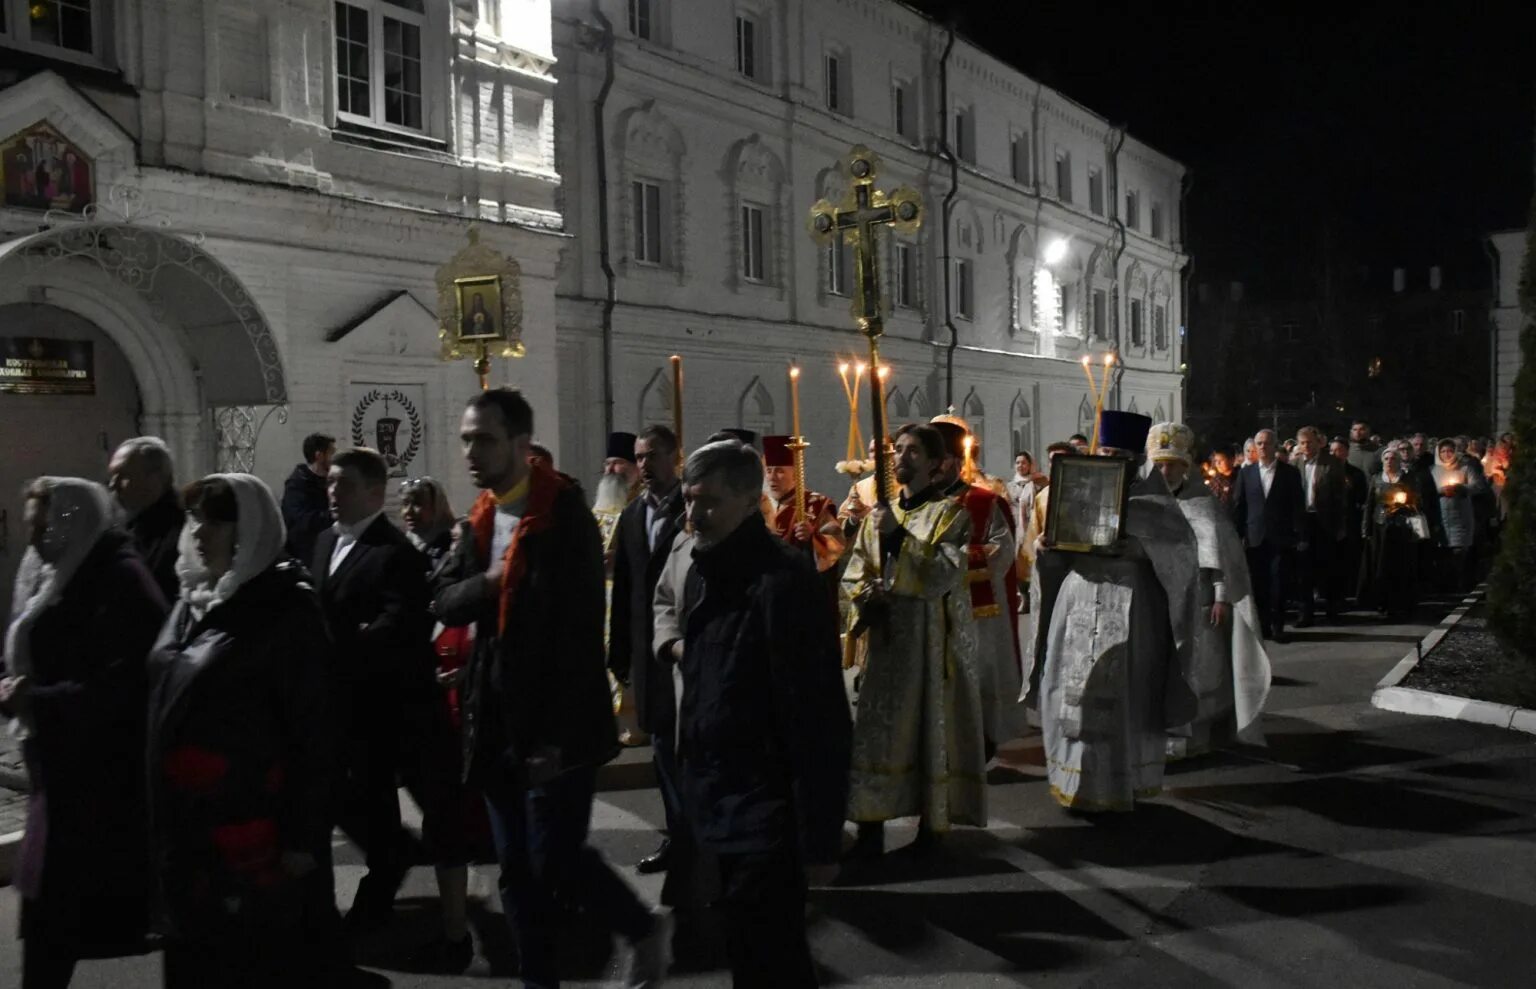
x=917 y=742
x=1228 y=668
x=1111 y=683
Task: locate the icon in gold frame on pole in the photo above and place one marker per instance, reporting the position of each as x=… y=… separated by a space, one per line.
x=479 y=314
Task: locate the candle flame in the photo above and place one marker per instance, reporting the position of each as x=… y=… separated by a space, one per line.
x=1085 y=360
x=885 y=372
x=860 y=367
x=675 y=359
x=1401 y=498
x=1109 y=359
x=842 y=368
x=794 y=371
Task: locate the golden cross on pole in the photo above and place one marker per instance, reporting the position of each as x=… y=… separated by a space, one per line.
x=858 y=219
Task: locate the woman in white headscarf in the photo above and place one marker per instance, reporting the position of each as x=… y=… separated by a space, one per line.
x=84 y=615
x=241 y=755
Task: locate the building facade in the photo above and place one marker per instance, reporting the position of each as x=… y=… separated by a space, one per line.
x=234 y=212
x=693 y=137
x=1509 y=247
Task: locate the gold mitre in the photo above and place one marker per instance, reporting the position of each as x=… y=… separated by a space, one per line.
x=951 y=419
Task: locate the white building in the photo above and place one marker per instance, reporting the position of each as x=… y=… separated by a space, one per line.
x=295 y=172
x=1510 y=246
x=722 y=123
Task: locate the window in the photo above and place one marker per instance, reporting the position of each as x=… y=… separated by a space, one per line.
x=1133 y=210
x=1138 y=332
x=1156 y=221
x=641 y=19
x=899 y=110
x=1100 y=314
x=906 y=276
x=1096 y=190
x=1160 y=327
x=752 y=244
x=746 y=46
x=70 y=29
x=1063 y=176
x=965 y=135
x=1020 y=159
x=837 y=96
x=646 y=204
x=379 y=62
x=839 y=264
x=965 y=306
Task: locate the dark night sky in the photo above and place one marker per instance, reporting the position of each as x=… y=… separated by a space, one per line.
x=1405 y=129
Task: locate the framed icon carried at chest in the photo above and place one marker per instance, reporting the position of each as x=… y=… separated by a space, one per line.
x=1088 y=497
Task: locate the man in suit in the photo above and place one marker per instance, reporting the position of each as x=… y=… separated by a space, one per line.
x=372 y=585
x=1270 y=508
x=1325 y=489
x=643 y=539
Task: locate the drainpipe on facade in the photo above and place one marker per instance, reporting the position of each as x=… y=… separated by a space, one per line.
x=1119 y=224
x=605 y=257
x=947 y=154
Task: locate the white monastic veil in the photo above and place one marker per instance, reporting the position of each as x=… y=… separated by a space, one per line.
x=79 y=513
x=259 y=536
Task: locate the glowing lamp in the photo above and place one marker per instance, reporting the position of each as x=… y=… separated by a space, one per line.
x=1055 y=251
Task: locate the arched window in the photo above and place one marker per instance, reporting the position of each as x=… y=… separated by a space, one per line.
x=757 y=194
x=975 y=413
x=1021 y=426
x=1085 y=416
x=655 y=405
x=754 y=408
x=652 y=159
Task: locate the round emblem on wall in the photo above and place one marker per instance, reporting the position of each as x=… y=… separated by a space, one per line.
x=387 y=420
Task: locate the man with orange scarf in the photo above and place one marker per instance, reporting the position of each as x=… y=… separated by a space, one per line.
x=538 y=721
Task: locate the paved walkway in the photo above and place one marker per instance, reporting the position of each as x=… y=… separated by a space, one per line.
x=1360 y=848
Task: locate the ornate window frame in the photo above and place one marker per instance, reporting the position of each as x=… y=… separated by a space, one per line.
x=651 y=149
x=757 y=178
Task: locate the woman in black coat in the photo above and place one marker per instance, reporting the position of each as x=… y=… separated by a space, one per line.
x=240 y=755
x=85 y=613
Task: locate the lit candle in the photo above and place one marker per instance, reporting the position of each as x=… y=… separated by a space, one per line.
x=966 y=468
x=794 y=397
x=677 y=402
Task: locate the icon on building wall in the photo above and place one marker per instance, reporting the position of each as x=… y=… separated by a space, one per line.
x=43 y=170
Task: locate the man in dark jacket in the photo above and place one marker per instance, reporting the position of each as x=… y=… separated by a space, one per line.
x=645 y=533
x=372 y=585
x=306 y=511
x=1326 y=493
x=1269 y=509
x=765 y=733
x=538 y=721
x=141 y=475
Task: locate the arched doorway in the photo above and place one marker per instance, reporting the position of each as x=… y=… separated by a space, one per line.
x=176 y=341
x=58 y=434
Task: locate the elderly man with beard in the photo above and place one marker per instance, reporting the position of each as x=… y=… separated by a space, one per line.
x=918 y=739
x=616 y=488
x=644 y=538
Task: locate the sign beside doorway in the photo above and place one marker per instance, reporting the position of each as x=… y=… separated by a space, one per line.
x=43 y=366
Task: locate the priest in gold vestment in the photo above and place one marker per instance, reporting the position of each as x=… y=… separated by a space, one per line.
x=917 y=745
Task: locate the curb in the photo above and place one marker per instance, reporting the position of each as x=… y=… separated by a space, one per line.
x=1388 y=696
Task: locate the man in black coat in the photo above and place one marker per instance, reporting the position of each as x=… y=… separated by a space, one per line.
x=1326 y=494
x=765 y=735
x=1269 y=509
x=645 y=533
x=306 y=510
x=538 y=721
x=372 y=585
x=141 y=475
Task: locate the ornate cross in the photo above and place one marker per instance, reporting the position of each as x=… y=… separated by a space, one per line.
x=859 y=218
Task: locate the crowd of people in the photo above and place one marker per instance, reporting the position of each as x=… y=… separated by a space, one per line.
x=209 y=679
x=1377 y=523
